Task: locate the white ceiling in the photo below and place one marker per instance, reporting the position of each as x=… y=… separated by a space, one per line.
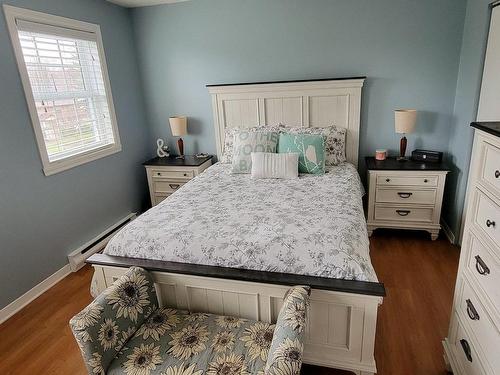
x=142 y=3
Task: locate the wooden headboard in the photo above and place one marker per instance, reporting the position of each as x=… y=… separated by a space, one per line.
x=293 y=103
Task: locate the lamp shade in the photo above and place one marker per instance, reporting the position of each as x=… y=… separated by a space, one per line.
x=405 y=120
x=178 y=125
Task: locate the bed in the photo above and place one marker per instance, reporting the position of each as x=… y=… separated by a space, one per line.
x=229 y=244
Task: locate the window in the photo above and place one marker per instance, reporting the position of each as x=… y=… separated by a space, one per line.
x=63 y=69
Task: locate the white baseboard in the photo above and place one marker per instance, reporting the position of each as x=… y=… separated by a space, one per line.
x=448 y=232
x=33 y=293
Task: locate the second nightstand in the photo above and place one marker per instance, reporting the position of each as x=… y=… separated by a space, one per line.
x=166 y=175
x=405 y=195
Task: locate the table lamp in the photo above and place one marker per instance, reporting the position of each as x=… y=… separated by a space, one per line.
x=404 y=121
x=178 y=125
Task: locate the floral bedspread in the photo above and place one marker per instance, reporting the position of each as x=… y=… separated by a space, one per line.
x=313 y=225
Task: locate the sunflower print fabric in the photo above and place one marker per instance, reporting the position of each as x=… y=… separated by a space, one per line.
x=121 y=334
x=190 y=343
x=103 y=327
x=285 y=354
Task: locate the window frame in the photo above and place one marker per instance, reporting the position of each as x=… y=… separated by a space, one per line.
x=12 y=14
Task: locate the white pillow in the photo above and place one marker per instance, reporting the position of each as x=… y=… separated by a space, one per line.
x=269 y=165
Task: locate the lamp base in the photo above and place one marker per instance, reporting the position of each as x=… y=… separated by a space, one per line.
x=402 y=149
x=180 y=145
x=402 y=158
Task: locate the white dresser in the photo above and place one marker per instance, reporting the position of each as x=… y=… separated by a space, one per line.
x=473 y=342
x=166 y=175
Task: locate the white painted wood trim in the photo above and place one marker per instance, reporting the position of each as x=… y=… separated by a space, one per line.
x=347 y=115
x=33 y=293
x=12 y=14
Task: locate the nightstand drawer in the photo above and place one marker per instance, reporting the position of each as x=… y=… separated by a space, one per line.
x=387 y=195
x=401 y=180
x=159 y=198
x=403 y=213
x=491 y=169
x=166 y=186
x=484 y=268
x=183 y=175
x=487 y=216
x=481 y=325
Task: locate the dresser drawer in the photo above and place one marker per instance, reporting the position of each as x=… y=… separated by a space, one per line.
x=387 y=195
x=487 y=217
x=484 y=268
x=179 y=175
x=166 y=186
x=474 y=315
x=403 y=214
x=491 y=167
x=400 y=180
x=464 y=350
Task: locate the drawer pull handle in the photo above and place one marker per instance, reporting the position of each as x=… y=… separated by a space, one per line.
x=497 y=173
x=466 y=348
x=387 y=180
x=471 y=310
x=405 y=195
x=490 y=223
x=174 y=186
x=403 y=212
x=481 y=267
x=185 y=174
x=159 y=173
x=426 y=180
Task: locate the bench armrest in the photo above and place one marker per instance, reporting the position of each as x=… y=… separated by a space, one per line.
x=103 y=327
x=287 y=346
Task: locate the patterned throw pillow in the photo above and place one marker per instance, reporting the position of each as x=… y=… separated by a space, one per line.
x=334 y=142
x=311 y=149
x=246 y=142
x=229 y=133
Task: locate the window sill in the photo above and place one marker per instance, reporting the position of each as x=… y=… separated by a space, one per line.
x=74 y=161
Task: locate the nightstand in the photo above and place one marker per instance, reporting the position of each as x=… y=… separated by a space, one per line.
x=166 y=175
x=405 y=195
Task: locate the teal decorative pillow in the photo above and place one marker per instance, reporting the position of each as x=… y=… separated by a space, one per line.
x=246 y=142
x=311 y=150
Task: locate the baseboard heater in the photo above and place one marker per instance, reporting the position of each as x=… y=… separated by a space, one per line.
x=77 y=258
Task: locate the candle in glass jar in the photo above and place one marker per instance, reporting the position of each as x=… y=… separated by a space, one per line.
x=381 y=154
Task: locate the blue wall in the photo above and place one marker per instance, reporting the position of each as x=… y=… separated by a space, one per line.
x=465 y=108
x=412 y=51
x=408 y=49
x=43 y=218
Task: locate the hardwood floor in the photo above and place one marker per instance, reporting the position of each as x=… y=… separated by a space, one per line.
x=419 y=277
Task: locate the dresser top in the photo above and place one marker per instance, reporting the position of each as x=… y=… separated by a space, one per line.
x=173 y=161
x=391 y=164
x=492 y=127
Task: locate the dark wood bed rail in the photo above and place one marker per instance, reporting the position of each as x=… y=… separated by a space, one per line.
x=323 y=283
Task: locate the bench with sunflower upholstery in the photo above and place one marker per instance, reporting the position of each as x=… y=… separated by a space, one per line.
x=123 y=331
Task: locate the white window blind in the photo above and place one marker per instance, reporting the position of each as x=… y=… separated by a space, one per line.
x=68 y=88
x=61 y=62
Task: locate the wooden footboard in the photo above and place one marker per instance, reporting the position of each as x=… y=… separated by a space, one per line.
x=341 y=329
